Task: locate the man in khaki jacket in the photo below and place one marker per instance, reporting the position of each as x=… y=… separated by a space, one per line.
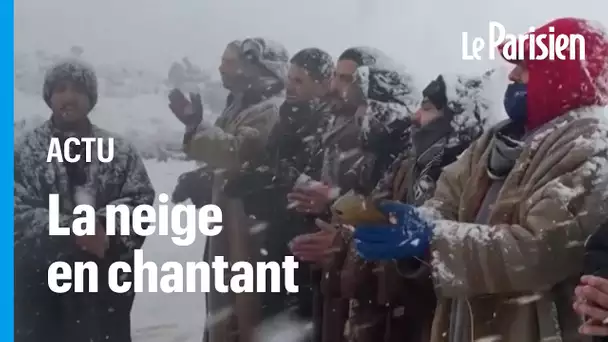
x=506 y=226
x=254 y=71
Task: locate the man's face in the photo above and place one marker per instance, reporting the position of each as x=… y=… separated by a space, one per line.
x=343 y=81
x=301 y=87
x=231 y=68
x=519 y=74
x=426 y=113
x=70 y=102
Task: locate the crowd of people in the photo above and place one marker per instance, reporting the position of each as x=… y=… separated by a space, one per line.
x=414 y=217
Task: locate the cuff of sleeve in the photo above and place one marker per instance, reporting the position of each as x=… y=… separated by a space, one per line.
x=414 y=268
x=192 y=130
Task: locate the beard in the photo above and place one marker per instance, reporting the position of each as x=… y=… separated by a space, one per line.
x=292 y=98
x=341 y=105
x=77 y=123
x=235 y=83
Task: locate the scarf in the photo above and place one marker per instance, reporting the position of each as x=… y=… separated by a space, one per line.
x=505 y=149
x=428 y=146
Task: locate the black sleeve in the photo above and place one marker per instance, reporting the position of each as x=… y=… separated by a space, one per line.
x=596 y=253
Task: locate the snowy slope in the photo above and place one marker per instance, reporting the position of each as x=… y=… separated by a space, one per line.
x=160 y=317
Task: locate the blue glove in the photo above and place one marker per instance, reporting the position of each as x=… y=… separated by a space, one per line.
x=407 y=236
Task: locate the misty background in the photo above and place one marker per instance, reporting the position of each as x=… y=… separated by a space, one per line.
x=154 y=33
x=132 y=44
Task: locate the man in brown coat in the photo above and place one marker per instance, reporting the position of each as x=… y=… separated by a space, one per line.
x=396 y=301
x=506 y=226
x=254 y=71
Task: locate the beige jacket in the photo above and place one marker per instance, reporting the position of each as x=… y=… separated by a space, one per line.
x=517 y=274
x=225 y=147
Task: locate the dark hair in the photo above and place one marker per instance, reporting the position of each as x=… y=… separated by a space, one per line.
x=359 y=56
x=317 y=62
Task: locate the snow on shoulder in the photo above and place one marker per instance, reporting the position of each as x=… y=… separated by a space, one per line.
x=388 y=89
x=573 y=186
x=472 y=100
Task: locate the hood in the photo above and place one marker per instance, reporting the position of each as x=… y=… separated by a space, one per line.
x=268 y=55
x=390 y=95
x=369 y=56
x=558 y=86
x=470 y=105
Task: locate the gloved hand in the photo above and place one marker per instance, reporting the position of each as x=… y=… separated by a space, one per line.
x=248 y=181
x=189 y=112
x=406 y=236
x=194 y=185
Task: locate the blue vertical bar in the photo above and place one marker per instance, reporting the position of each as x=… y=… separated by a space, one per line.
x=7 y=76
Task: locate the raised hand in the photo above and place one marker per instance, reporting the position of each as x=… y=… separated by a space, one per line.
x=189 y=112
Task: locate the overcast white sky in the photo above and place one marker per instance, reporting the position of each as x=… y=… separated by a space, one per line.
x=425 y=35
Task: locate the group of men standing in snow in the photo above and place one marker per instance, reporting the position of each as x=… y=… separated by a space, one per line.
x=413 y=220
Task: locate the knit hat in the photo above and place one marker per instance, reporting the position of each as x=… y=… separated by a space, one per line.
x=557 y=86
x=317 y=62
x=435 y=92
x=73 y=70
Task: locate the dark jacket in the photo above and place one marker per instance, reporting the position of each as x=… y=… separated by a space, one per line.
x=40 y=314
x=395 y=301
x=293 y=148
x=596 y=259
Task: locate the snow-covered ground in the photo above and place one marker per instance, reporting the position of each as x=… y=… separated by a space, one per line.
x=161 y=317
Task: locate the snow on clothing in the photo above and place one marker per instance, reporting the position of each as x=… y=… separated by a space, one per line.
x=368 y=125
x=386 y=123
x=513 y=268
x=511 y=273
x=346 y=167
x=231 y=144
x=349 y=165
x=238 y=136
x=587 y=79
x=330 y=154
x=396 y=301
x=71 y=69
x=293 y=149
x=40 y=314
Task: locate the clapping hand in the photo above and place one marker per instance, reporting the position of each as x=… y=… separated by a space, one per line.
x=314 y=198
x=95 y=244
x=315 y=247
x=591 y=302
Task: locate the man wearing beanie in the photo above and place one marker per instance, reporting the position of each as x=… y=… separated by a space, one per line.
x=396 y=301
x=506 y=227
x=70 y=90
x=291 y=152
